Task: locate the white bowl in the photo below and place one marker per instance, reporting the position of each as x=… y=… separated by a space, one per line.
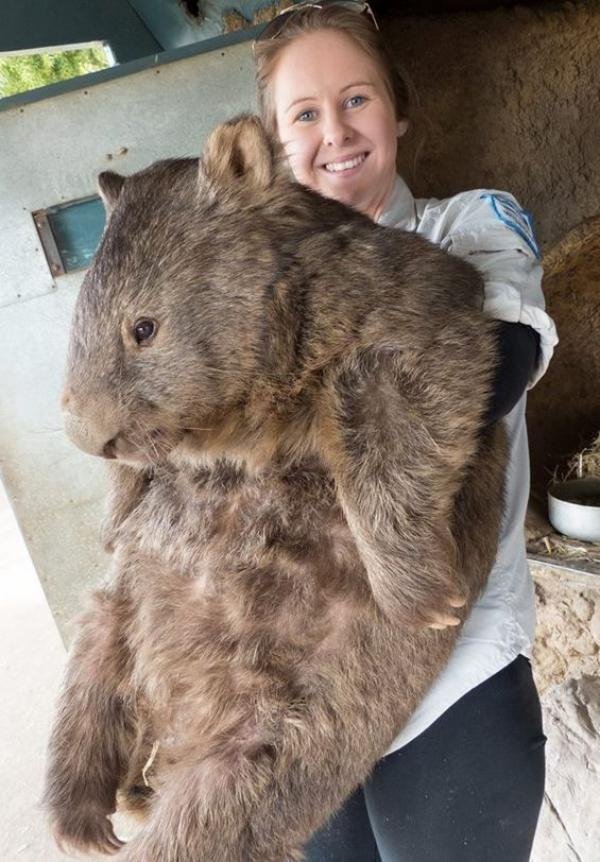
x=569 y=514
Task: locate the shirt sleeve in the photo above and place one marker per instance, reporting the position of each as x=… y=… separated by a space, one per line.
x=492 y=231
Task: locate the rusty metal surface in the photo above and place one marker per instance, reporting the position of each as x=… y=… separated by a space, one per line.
x=48 y=242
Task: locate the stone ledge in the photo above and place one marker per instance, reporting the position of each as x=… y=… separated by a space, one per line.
x=566 y=665
x=569 y=827
x=567 y=642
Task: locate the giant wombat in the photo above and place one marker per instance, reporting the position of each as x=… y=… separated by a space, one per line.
x=291 y=400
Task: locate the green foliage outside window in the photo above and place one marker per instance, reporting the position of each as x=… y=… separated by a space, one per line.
x=21 y=72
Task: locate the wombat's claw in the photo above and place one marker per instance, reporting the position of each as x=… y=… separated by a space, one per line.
x=98 y=836
x=113 y=845
x=443 y=620
x=457 y=602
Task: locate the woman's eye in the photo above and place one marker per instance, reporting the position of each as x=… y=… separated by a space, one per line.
x=305 y=116
x=144 y=329
x=355 y=101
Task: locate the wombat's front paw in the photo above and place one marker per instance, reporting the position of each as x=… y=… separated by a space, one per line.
x=84 y=828
x=431 y=607
x=419 y=606
x=442 y=619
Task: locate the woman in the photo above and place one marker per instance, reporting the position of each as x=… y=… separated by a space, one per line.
x=464 y=779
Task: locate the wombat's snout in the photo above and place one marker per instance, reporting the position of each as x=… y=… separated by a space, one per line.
x=90 y=423
x=104 y=427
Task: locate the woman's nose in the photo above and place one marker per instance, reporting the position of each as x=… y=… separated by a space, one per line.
x=336 y=131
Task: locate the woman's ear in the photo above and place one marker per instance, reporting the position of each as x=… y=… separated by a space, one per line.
x=402 y=127
x=238 y=158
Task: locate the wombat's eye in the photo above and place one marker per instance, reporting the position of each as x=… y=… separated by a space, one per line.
x=144 y=329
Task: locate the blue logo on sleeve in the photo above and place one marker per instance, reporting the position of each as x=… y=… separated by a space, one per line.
x=514 y=217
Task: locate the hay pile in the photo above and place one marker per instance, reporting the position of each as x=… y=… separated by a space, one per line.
x=553 y=545
x=584 y=463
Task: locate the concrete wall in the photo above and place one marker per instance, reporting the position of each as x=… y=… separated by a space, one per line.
x=42 y=23
x=52 y=151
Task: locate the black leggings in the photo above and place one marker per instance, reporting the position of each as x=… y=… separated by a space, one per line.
x=468 y=789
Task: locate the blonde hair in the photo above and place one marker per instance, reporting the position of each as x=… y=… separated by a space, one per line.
x=358 y=27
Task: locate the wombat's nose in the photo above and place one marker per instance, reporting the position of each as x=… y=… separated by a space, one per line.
x=109 y=450
x=91 y=426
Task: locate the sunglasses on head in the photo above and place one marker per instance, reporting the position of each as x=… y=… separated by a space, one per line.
x=278 y=24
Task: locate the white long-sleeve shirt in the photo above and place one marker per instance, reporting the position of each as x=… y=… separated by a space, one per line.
x=490 y=230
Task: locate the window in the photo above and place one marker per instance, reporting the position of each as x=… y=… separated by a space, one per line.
x=32 y=68
x=70 y=233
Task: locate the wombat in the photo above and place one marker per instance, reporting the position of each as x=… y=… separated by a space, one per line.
x=304 y=500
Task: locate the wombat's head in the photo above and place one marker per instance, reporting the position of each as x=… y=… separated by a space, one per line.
x=168 y=332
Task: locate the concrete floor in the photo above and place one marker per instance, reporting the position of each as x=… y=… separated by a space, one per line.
x=32 y=659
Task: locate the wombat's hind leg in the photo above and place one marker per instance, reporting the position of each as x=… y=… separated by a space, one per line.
x=86 y=830
x=92 y=735
x=258 y=805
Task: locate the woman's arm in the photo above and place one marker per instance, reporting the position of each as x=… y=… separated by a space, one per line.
x=494 y=233
x=518 y=351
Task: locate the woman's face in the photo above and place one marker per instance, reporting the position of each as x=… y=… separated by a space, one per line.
x=336 y=120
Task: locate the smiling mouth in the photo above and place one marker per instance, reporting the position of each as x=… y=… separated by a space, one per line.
x=346 y=165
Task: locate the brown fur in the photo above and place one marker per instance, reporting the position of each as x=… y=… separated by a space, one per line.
x=300 y=484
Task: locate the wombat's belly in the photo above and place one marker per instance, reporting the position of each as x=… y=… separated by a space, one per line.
x=241 y=596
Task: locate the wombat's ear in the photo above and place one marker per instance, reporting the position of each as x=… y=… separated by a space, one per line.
x=110 y=185
x=238 y=157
